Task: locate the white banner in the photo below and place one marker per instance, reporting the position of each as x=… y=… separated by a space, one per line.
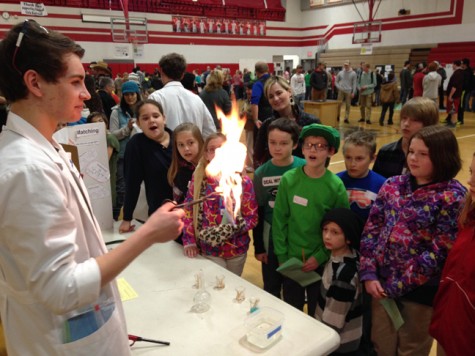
x=33 y=9
x=366 y=48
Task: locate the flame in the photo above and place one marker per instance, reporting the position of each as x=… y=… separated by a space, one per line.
x=228 y=162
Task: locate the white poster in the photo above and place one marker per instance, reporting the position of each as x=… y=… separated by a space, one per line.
x=33 y=9
x=90 y=140
x=138 y=50
x=122 y=51
x=366 y=48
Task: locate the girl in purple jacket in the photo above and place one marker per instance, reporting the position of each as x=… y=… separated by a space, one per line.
x=411 y=226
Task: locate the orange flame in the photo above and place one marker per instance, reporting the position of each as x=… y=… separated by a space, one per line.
x=228 y=162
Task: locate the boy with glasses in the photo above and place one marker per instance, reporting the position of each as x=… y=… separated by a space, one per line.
x=304 y=195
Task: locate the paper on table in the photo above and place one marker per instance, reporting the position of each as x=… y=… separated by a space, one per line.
x=125 y=290
x=393 y=311
x=292 y=268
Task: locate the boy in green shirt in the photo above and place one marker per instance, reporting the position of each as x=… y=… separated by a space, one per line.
x=283 y=136
x=305 y=194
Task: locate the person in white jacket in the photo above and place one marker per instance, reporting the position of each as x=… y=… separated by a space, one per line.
x=431 y=82
x=58 y=295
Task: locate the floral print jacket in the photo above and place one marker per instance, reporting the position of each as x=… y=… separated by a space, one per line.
x=408 y=233
x=238 y=244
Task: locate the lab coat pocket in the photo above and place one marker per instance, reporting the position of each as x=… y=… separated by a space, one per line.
x=109 y=339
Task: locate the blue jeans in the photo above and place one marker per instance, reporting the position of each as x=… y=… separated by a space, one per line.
x=298 y=100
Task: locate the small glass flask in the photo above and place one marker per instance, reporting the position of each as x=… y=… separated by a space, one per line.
x=202 y=298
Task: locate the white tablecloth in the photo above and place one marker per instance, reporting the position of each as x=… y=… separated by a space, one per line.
x=163 y=279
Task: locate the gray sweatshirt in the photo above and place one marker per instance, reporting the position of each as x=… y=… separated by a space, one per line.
x=346 y=81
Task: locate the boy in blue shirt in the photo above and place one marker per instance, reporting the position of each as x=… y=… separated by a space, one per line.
x=362 y=184
x=283 y=136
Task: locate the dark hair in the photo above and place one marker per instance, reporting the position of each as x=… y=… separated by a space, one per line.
x=173 y=65
x=458 y=63
x=40 y=50
x=406 y=63
x=421 y=109
x=139 y=105
x=93 y=114
x=390 y=76
x=444 y=151
x=286 y=125
x=126 y=107
x=94 y=103
x=188 y=81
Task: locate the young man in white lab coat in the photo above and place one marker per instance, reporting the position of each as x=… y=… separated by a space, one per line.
x=57 y=290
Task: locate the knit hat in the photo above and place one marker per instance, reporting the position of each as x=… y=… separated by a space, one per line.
x=350 y=222
x=327 y=132
x=134 y=77
x=130 y=87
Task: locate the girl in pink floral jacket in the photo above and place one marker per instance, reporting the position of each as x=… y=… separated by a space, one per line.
x=205 y=230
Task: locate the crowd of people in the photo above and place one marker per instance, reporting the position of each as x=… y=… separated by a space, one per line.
x=392 y=238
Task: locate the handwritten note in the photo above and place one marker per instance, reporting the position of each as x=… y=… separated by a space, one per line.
x=98 y=172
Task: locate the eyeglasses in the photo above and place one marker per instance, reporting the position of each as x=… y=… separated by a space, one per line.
x=317 y=146
x=23 y=32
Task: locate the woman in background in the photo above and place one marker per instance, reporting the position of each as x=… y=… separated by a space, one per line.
x=279 y=94
x=213 y=95
x=121 y=123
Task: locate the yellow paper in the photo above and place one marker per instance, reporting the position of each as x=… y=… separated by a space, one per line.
x=125 y=289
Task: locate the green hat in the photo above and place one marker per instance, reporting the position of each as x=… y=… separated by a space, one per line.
x=327 y=132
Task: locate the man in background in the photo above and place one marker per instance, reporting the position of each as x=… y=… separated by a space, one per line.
x=179 y=104
x=345 y=82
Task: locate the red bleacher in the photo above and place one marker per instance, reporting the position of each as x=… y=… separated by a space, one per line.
x=446 y=53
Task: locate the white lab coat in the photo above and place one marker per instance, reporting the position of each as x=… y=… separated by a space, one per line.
x=49 y=238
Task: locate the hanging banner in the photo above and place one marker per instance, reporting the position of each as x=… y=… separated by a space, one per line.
x=33 y=9
x=366 y=48
x=218 y=26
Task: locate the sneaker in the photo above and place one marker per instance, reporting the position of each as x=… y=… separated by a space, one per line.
x=361 y=120
x=451 y=125
x=368 y=122
x=346 y=121
x=381 y=122
x=458 y=123
x=390 y=122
